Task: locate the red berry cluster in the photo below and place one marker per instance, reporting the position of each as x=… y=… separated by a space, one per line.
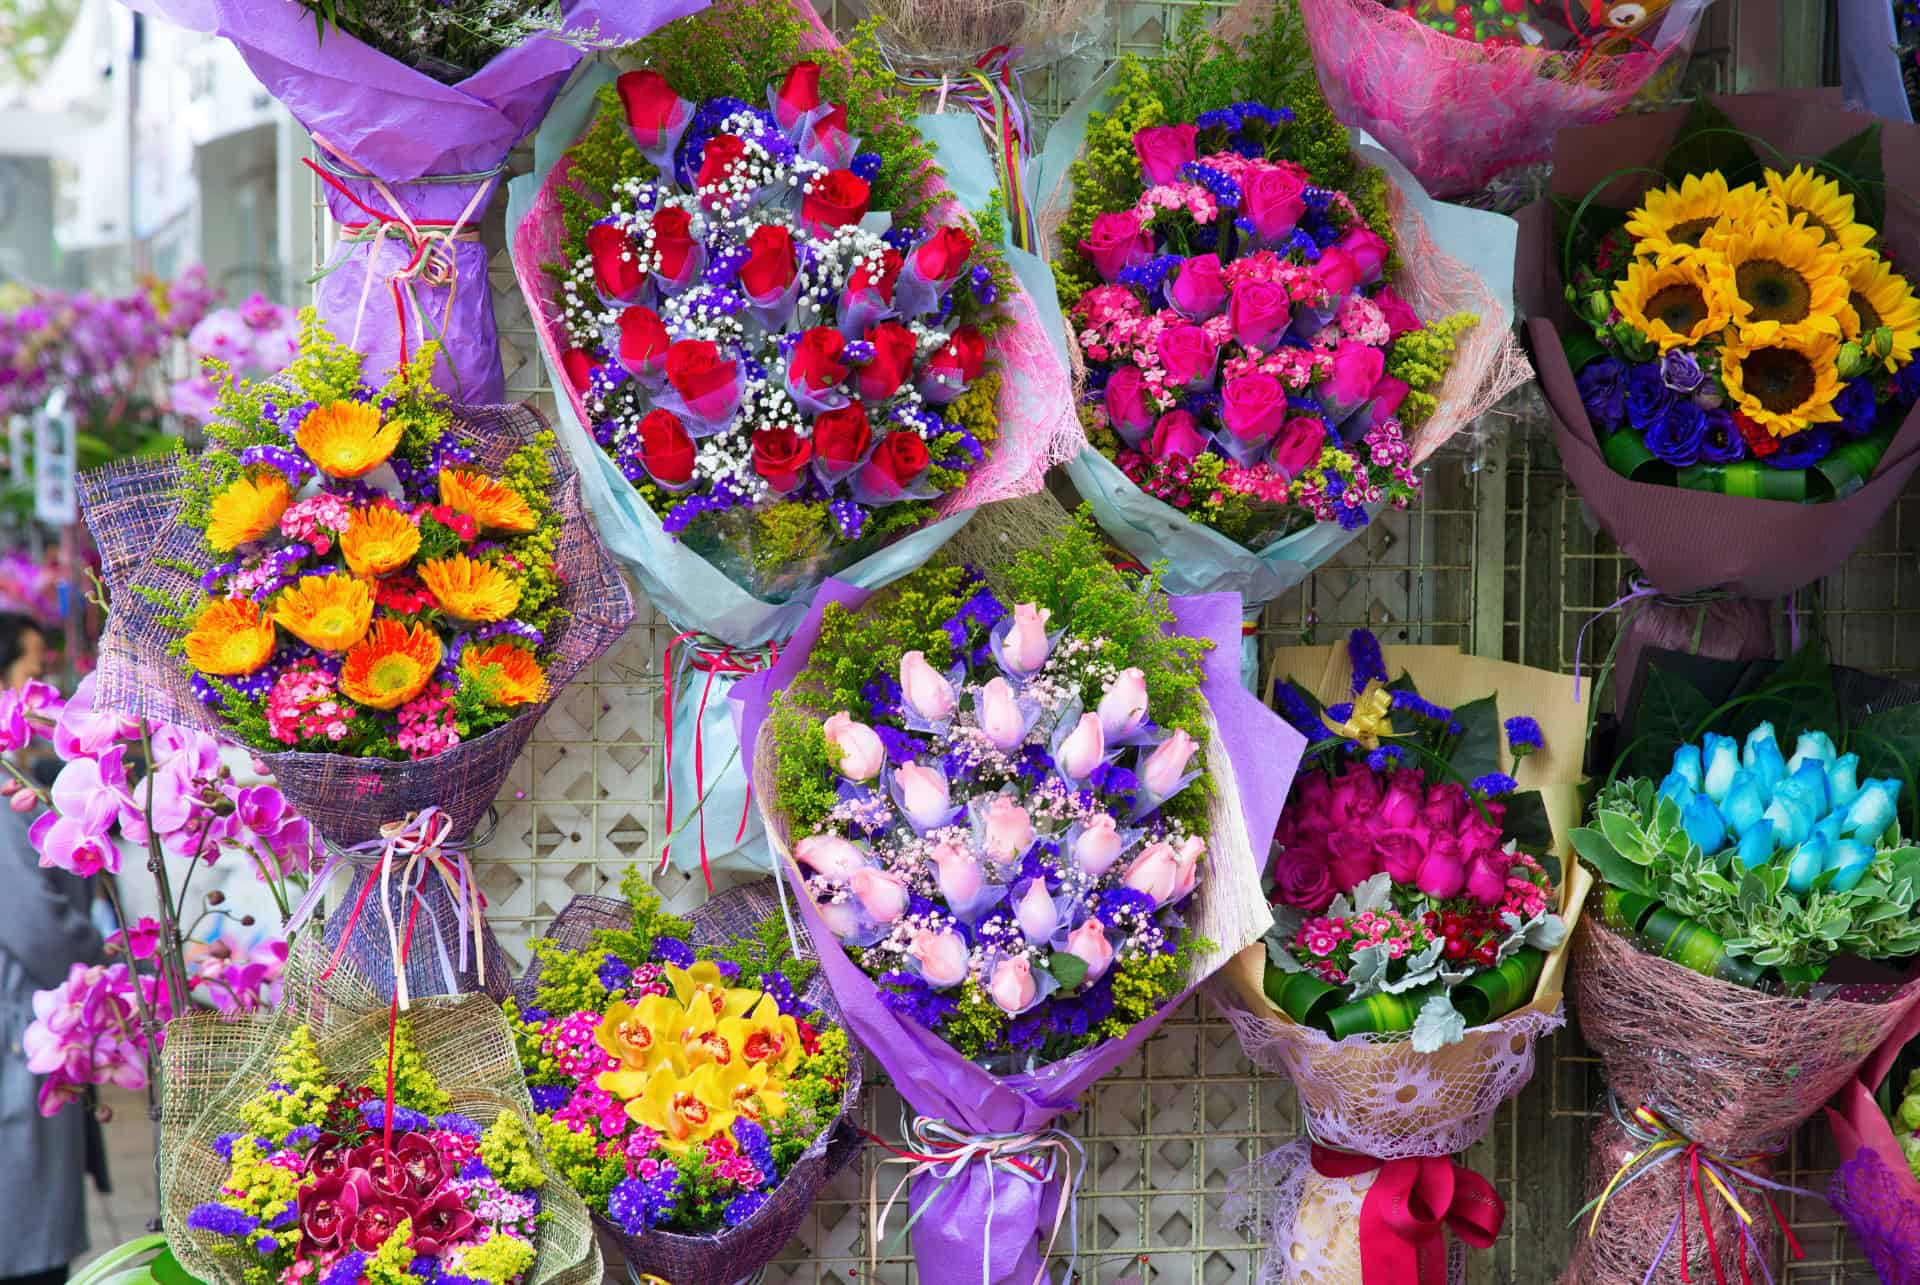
x=1472 y=935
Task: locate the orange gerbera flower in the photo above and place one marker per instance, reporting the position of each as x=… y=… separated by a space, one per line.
x=470 y=590
x=230 y=638
x=347 y=439
x=492 y=506
x=248 y=509
x=327 y=613
x=391 y=665
x=379 y=540
x=508 y=674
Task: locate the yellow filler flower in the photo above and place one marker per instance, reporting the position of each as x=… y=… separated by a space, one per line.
x=391 y=665
x=492 y=506
x=1878 y=296
x=247 y=509
x=379 y=541
x=1676 y=302
x=1786 y=384
x=1785 y=279
x=230 y=638
x=507 y=673
x=327 y=613
x=470 y=590
x=1802 y=193
x=1675 y=218
x=347 y=439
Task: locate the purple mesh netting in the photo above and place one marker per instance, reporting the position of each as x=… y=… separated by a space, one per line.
x=131 y=509
x=739 y=1252
x=1881 y=1211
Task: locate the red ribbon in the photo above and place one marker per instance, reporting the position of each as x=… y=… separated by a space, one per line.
x=725 y=659
x=1408 y=1210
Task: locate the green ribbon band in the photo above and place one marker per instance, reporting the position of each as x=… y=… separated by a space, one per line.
x=1845 y=470
x=1302 y=996
x=1377 y=1014
x=1496 y=992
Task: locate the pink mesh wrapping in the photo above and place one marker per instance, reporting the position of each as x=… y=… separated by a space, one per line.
x=1733 y=1069
x=1458 y=113
x=1038 y=426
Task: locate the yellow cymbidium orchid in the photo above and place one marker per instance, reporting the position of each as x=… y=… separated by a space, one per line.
x=685 y=1112
x=766 y=1037
x=754 y=1091
x=704 y=1038
x=642 y=1037
x=705 y=981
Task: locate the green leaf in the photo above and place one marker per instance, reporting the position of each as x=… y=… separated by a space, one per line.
x=1614 y=869
x=1068 y=970
x=1797 y=697
x=1625 y=835
x=1855 y=165
x=168 y=1271
x=1709 y=140
x=1477 y=748
x=1670 y=710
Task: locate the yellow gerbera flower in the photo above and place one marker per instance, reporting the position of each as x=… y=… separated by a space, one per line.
x=1785 y=279
x=684 y=1112
x=1678 y=301
x=493 y=507
x=231 y=637
x=755 y=1092
x=705 y=981
x=1786 y=384
x=470 y=590
x=1878 y=296
x=379 y=540
x=1670 y=218
x=327 y=613
x=1805 y=194
x=248 y=509
x=391 y=665
x=347 y=439
x=508 y=672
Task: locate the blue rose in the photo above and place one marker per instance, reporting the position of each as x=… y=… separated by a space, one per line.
x=1808 y=860
x=1603 y=391
x=1756 y=846
x=1856 y=407
x=1722 y=443
x=1686 y=765
x=1761 y=756
x=1842 y=781
x=1647 y=397
x=1849 y=861
x=1812 y=776
x=1872 y=810
x=1677 y=437
x=1704 y=826
x=1802 y=450
x=1745 y=803
x=1722 y=755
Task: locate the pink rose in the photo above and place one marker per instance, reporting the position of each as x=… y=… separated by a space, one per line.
x=1487 y=881
x=1399 y=313
x=942 y=956
x=1162 y=150
x=1036 y=913
x=882 y=895
x=1154 y=872
x=830 y=855
x=1175 y=435
x=1161 y=774
x=1009 y=830
x=1400 y=856
x=1260 y=313
x=1198 y=290
x=1368 y=252
x=1336 y=272
x=1445 y=808
x=1187 y=355
x=1301 y=881
x=1300 y=444
x=1252 y=408
x=960 y=878
x=1123 y=706
x=1400 y=807
x=861 y=754
x=1351 y=859
x=1083 y=750
x=1356 y=792
x=1272 y=197
x=1386 y=399
x=1000 y=716
x=1026 y=647
x=925 y=689
x=1128 y=409
x=1356 y=369
x=1441 y=875
x=1116 y=242
x=1098 y=845
x=1089 y=944
x=923 y=794
x=1012 y=986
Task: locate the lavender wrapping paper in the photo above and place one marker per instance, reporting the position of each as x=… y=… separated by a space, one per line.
x=391 y=121
x=951 y=1233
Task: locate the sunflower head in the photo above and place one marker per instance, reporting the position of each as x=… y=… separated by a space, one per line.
x=1679 y=218
x=1786 y=384
x=328 y=613
x=1783 y=278
x=1805 y=196
x=391 y=665
x=247 y=509
x=1878 y=297
x=379 y=541
x=231 y=638
x=347 y=439
x=492 y=506
x=1677 y=301
x=470 y=590
x=506 y=672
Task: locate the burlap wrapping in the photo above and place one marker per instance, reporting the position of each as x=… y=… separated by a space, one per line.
x=1734 y=1069
x=209 y=1067
x=132 y=510
x=735 y=1253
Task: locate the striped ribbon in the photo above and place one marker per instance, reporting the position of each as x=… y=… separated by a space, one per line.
x=991 y=90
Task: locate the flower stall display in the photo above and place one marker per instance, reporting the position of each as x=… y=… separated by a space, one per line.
x=340 y=1142
x=783 y=351
x=1754 y=932
x=1419 y=950
x=1755 y=376
x=1876 y=1184
x=413 y=108
x=374 y=591
x=1464 y=92
x=1015 y=807
x=254 y=341
x=689 y=1076
x=1272 y=343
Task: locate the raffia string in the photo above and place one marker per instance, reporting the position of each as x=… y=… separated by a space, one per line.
x=991 y=90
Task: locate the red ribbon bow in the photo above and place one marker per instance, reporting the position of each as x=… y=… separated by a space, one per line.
x=1408 y=1210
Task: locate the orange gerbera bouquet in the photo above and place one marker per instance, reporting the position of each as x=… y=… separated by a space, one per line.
x=370 y=587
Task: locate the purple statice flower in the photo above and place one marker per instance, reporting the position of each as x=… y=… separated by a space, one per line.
x=1117 y=903
x=1271 y=117
x=301 y=1138
x=900 y=746
x=671 y=950
x=474 y=1169
x=614 y=972
x=211 y=578
x=1416 y=705
x=510 y=629
x=858 y=352
x=777 y=986
x=755 y=1146
x=728 y=969
x=724 y=496
x=221 y=1220
x=911 y=997
x=1369 y=666
x=866 y=165
x=290 y=464
x=882 y=696
x=724 y=264
x=743 y=1206
x=404 y=1118
x=1303 y=243
x=285 y=1218
x=1149 y=277
x=849 y=519
x=1225 y=192
x=454 y=1122
x=290 y=425
x=1493 y=784
x=637 y=1203
x=983 y=288
x=1524 y=733
x=548 y=1098
x=1385 y=759
x=223 y=1145
x=1293 y=707
x=1113 y=781
x=349 y=1270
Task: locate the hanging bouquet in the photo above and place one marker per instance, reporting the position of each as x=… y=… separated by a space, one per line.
x=1272 y=344
x=688 y=1077
x=254 y=341
x=1738 y=976
x=782 y=350
x=1419 y=945
x=1463 y=92
x=1014 y=808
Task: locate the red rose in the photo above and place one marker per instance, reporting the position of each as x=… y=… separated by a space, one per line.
x=954 y=365
x=643 y=341
x=616 y=262
x=709 y=385
x=829 y=142
x=841 y=438
x=770 y=265
x=780 y=455
x=651 y=105
x=816 y=362
x=865 y=279
x=578 y=365
x=723 y=152
x=902 y=457
x=666 y=448
x=798 y=94
x=834 y=200
x=893 y=351
x=942 y=255
x=673 y=242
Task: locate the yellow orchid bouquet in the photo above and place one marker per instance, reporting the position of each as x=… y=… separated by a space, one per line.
x=689 y=1092
x=369 y=587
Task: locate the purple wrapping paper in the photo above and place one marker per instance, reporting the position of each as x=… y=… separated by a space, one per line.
x=951 y=1231
x=386 y=119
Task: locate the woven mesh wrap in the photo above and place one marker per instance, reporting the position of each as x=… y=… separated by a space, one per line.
x=433 y=959
x=738 y=1252
x=210 y=1067
x=1883 y=1213
x=1734 y=1069
x=132 y=508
